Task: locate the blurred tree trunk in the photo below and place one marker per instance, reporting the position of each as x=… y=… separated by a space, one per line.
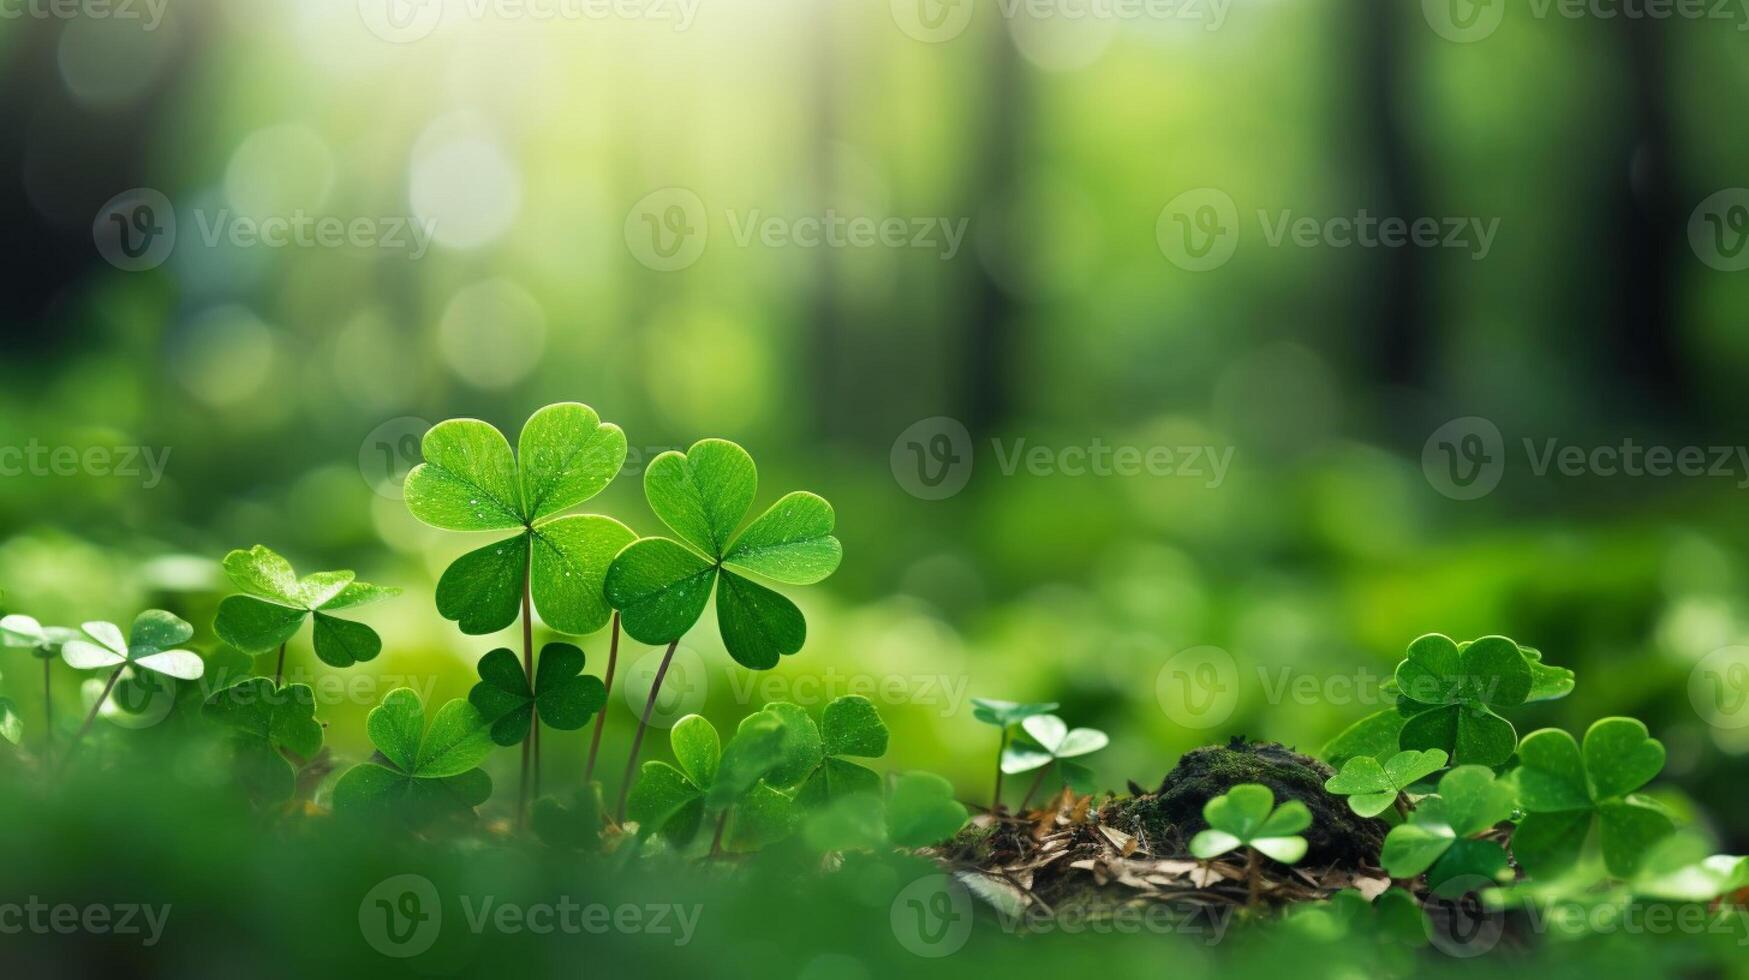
x=1395 y=296
x=986 y=345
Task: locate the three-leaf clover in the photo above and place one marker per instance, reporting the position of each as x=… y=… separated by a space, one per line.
x=1372 y=787
x=471 y=481
x=1053 y=741
x=275 y=603
x=1437 y=839
x=1005 y=715
x=562 y=696
x=419 y=773
x=711 y=778
x=660 y=585
x=1450 y=695
x=265 y=722
x=1246 y=816
x=1566 y=790
x=150 y=645
x=849 y=726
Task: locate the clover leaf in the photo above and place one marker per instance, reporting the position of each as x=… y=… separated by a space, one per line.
x=149 y=645
x=1052 y=741
x=921 y=811
x=1005 y=715
x=266 y=722
x=24 y=632
x=1566 y=790
x=471 y=481
x=1450 y=694
x=419 y=773
x=712 y=778
x=275 y=602
x=562 y=695
x=1547 y=682
x=849 y=726
x=1681 y=868
x=1373 y=787
x=1437 y=839
x=1246 y=816
x=660 y=585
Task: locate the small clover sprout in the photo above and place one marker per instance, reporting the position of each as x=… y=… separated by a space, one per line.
x=1373 y=787
x=150 y=645
x=1005 y=715
x=419 y=774
x=920 y=812
x=713 y=778
x=563 y=697
x=267 y=724
x=1566 y=790
x=1246 y=816
x=1438 y=837
x=275 y=602
x=44 y=643
x=1450 y=694
x=1052 y=741
x=850 y=726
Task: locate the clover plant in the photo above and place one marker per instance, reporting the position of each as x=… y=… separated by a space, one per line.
x=1051 y=741
x=562 y=696
x=1246 y=816
x=1567 y=790
x=150 y=645
x=920 y=811
x=1005 y=715
x=275 y=602
x=850 y=727
x=273 y=733
x=1439 y=837
x=660 y=585
x=713 y=778
x=44 y=643
x=1373 y=787
x=419 y=773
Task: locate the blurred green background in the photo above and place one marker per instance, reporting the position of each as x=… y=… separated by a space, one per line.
x=285 y=382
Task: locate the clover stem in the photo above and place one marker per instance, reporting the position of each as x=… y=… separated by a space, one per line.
x=601 y=718
x=1402 y=806
x=1001 y=747
x=625 y=785
x=1035 y=785
x=92 y=717
x=1253 y=882
x=531 y=744
x=279 y=668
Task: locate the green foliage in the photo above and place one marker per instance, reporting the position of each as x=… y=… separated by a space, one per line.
x=419 y=774
x=24 y=632
x=1451 y=694
x=850 y=726
x=660 y=586
x=921 y=811
x=11 y=726
x=712 y=777
x=471 y=481
x=1567 y=790
x=150 y=645
x=265 y=722
x=1372 y=787
x=1246 y=816
x=275 y=603
x=1004 y=714
x=1394 y=917
x=1051 y=740
x=1438 y=838
x=563 y=696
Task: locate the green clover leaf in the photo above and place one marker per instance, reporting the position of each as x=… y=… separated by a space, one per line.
x=1681 y=868
x=1004 y=714
x=660 y=586
x=563 y=696
x=150 y=645
x=1450 y=694
x=1246 y=816
x=419 y=773
x=275 y=603
x=711 y=777
x=849 y=726
x=265 y=722
x=44 y=642
x=1051 y=740
x=1436 y=838
x=1566 y=790
x=1373 y=787
x=922 y=810
x=471 y=481
x=1547 y=683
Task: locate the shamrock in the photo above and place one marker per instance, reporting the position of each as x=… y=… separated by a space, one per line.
x=1053 y=741
x=471 y=481
x=562 y=695
x=150 y=645
x=1372 y=787
x=275 y=603
x=1450 y=694
x=1567 y=790
x=1437 y=838
x=1005 y=715
x=1246 y=816
x=849 y=726
x=713 y=778
x=419 y=773
x=265 y=722
x=660 y=585
x=920 y=812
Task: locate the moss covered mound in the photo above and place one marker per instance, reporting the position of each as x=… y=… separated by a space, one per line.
x=1337 y=836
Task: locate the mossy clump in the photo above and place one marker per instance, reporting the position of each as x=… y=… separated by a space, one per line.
x=1337 y=837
